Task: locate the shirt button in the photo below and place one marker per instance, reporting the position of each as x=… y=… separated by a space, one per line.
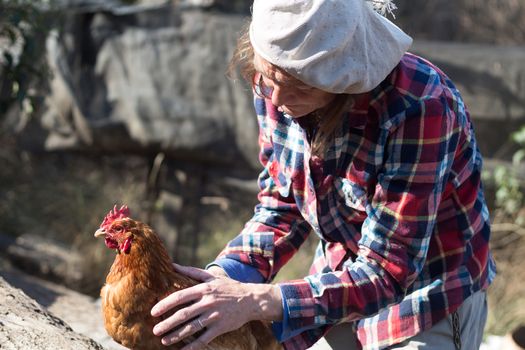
x=273 y=169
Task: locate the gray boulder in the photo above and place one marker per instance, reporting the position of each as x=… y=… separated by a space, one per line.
x=150 y=78
x=491 y=79
x=25 y=324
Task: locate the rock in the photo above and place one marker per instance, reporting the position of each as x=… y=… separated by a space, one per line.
x=150 y=78
x=24 y=324
x=80 y=312
x=491 y=81
x=43 y=257
x=489 y=77
x=498 y=22
x=518 y=337
x=507 y=342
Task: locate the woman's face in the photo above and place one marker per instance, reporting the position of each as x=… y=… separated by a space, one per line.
x=287 y=93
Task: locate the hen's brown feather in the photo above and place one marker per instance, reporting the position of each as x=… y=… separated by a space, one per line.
x=139 y=279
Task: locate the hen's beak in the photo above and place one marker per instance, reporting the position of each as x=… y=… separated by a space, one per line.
x=100 y=232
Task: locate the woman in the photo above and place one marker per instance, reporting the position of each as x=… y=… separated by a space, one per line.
x=370 y=148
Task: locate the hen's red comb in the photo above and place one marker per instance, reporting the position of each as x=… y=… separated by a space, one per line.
x=115 y=214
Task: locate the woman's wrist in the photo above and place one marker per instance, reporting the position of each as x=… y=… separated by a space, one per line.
x=217 y=271
x=268 y=297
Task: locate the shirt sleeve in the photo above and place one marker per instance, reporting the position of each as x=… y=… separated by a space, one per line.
x=277 y=229
x=238 y=271
x=401 y=214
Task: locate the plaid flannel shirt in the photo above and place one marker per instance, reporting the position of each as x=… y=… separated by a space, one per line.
x=397 y=202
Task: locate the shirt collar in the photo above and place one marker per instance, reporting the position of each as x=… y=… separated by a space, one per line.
x=358 y=113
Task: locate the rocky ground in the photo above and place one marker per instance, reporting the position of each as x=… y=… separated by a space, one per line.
x=41 y=315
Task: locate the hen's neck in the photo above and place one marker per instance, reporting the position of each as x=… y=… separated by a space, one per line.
x=148 y=262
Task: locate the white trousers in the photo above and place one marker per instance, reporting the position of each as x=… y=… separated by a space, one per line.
x=472 y=317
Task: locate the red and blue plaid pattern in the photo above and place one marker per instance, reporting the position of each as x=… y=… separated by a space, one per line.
x=397 y=202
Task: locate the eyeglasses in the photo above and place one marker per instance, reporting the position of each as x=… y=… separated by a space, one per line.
x=261 y=89
x=264 y=91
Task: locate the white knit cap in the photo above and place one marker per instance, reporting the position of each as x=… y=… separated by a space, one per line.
x=339 y=46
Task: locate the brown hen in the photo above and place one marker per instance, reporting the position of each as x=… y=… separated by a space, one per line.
x=141 y=275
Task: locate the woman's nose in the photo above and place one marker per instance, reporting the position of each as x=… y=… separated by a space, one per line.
x=280 y=96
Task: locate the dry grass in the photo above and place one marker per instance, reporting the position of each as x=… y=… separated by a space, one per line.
x=507 y=294
x=220 y=226
x=64 y=197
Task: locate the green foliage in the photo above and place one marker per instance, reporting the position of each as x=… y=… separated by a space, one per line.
x=509 y=194
x=509 y=197
x=24 y=25
x=519 y=136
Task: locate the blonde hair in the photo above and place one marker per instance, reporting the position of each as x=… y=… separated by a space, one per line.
x=242 y=61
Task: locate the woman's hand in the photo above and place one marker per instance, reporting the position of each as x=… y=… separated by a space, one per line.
x=219 y=304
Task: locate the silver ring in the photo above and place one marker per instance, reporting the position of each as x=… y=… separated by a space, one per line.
x=200 y=324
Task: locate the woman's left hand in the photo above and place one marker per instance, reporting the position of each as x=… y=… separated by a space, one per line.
x=219 y=304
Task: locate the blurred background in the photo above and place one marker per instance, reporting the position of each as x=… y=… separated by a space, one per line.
x=127 y=102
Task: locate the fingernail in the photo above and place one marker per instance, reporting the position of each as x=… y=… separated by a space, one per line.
x=154 y=311
x=156 y=330
x=166 y=341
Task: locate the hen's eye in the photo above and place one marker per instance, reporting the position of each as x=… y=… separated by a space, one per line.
x=118 y=229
